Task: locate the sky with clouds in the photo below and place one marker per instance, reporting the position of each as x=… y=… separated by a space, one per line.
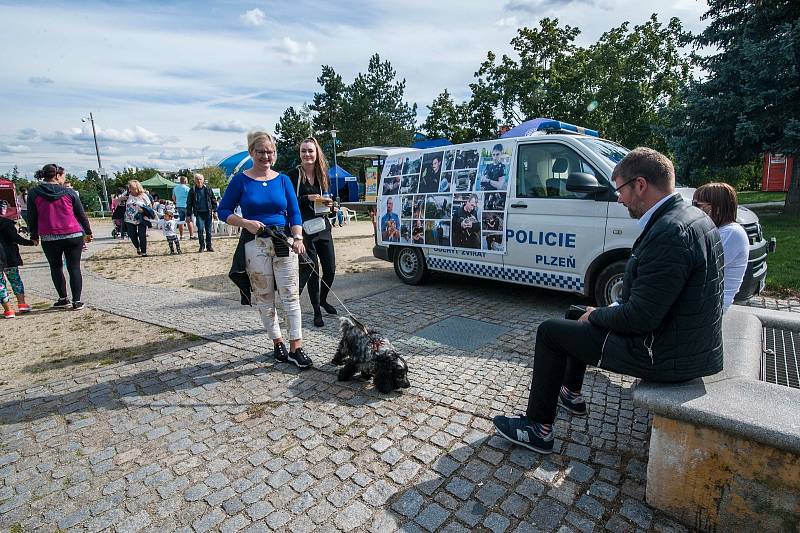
x=173 y=84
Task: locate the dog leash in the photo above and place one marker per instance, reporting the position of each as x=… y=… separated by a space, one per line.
x=307 y=259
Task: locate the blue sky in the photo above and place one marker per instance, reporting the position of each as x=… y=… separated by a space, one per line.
x=173 y=83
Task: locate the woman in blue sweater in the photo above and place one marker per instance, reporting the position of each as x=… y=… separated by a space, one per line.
x=268 y=201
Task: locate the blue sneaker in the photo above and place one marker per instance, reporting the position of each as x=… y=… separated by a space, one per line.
x=573 y=403
x=519 y=431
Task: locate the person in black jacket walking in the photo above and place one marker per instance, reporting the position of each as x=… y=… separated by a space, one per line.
x=202 y=203
x=667 y=324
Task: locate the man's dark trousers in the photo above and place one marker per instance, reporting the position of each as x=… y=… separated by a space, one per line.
x=563 y=349
x=204 y=228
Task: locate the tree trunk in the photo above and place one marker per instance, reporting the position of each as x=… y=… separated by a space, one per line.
x=792 y=205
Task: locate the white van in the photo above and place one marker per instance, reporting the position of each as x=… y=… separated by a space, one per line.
x=544 y=206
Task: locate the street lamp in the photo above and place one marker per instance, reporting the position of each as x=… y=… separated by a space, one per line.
x=335 y=168
x=100 y=170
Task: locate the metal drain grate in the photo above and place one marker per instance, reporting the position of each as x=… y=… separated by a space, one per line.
x=780 y=362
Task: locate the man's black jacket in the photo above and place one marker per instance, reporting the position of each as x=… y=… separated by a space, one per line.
x=668 y=326
x=191 y=202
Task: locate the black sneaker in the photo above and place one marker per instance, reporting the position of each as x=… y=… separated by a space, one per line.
x=519 y=431
x=331 y=310
x=62 y=302
x=300 y=359
x=202 y=249
x=576 y=406
x=77 y=306
x=318 y=320
x=280 y=353
x=210 y=249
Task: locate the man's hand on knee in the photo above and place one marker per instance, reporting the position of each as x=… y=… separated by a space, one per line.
x=585 y=316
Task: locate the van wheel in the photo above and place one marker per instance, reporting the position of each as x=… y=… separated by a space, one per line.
x=608 y=286
x=409 y=265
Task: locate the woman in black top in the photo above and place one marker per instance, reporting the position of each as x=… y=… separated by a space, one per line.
x=310 y=180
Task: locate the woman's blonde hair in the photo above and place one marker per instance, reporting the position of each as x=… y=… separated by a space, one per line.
x=320 y=165
x=135 y=188
x=722 y=199
x=254 y=136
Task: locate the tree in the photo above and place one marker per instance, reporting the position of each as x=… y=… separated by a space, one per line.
x=328 y=105
x=215 y=177
x=749 y=101
x=374 y=111
x=292 y=128
x=620 y=85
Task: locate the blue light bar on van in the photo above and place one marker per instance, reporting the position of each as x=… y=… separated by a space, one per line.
x=555 y=126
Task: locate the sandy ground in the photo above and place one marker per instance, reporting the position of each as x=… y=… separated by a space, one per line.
x=49 y=343
x=209 y=271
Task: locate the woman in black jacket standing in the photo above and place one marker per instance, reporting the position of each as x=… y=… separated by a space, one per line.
x=310 y=180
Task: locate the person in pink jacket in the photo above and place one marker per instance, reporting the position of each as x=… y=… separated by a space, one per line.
x=57 y=219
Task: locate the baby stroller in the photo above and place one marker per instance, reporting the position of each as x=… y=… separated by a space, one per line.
x=117 y=217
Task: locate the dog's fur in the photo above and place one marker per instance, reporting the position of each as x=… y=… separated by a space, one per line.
x=372 y=355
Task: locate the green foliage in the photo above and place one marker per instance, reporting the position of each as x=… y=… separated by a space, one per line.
x=749 y=100
x=121 y=178
x=328 y=105
x=215 y=177
x=459 y=123
x=292 y=128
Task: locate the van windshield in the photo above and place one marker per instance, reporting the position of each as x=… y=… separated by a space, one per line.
x=609 y=151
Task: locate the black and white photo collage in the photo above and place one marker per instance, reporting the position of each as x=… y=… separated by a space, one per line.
x=447 y=198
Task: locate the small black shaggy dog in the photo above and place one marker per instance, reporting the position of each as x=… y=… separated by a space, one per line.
x=372 y=355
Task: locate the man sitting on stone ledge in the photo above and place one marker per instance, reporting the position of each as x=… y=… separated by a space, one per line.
x=667 y=324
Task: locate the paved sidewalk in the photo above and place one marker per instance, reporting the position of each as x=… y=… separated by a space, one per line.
x=219 y=437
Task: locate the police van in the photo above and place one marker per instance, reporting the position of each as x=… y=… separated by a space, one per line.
x=537 y=210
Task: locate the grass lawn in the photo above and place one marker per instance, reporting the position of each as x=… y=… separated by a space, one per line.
x=783 y=273
x=754 y=197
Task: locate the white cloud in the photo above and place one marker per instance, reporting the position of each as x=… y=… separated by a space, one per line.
x=14 y=148
x=236 y=126
x=137 y=135
x=177 y=154
x=294 y=52
x=253 y=17
x=40 y=80
x=28 y=134
x=104 y=150
x=507 y=22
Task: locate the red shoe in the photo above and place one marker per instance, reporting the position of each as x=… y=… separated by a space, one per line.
x=23 y=308
x=9 y=314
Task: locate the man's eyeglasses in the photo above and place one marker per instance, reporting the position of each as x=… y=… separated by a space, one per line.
x=626 y=184
x=262 y=153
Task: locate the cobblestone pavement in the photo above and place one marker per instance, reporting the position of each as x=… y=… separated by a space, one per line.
x=219 y=437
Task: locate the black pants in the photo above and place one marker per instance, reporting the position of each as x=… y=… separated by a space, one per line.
x=68 y=250
x=138 y=235
x=563 y=349
x=321 y=249
x=204 y=228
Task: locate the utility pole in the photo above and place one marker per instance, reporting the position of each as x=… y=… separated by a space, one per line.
x=100 y=170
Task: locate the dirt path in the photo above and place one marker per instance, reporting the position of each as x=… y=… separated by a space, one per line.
x=209 y=271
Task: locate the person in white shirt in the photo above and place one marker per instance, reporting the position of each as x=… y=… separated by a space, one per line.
x=170 y=229
x=718 y=201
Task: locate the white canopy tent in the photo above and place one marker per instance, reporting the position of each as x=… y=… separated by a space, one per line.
x=370 y=152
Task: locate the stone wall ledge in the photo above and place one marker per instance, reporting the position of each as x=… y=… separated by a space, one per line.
x=735 y=401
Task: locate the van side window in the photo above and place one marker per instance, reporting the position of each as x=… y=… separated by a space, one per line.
x=542 y=170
